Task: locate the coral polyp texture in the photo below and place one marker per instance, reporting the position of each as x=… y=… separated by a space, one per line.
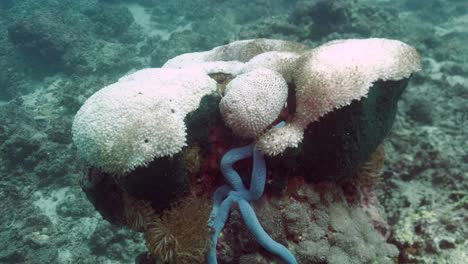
x=306 y=116
x=252 y=101
x=332 y=75
x=280 y=61
x=130 y=123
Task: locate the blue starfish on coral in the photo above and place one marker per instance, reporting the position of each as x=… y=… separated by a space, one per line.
x=225 y=197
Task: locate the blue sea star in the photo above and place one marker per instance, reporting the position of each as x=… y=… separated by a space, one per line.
x=226 y=195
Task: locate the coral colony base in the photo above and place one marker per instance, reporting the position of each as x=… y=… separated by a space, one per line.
x=158 y=136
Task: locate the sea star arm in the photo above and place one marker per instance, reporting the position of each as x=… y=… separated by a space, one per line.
x=257 y=182
x=242 y=196
x=217 y=224
x=220 y=194
x=229 y=159
x=254 y=226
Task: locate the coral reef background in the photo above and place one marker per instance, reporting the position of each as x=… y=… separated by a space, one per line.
x=55 y=54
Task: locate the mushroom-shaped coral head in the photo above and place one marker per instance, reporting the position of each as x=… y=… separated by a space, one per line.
x=333 y=75
x=336 y=73
x=253 y=100
x=141 y=117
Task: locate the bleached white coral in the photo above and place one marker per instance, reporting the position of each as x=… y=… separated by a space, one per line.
x=280 y=61
x=240 y=51
x=185 y=59
x=149 y=106
x=253 y=100
x=141 y=117
x=209 y=67
x=244 y=50
x=336 y=73
x=276 y=140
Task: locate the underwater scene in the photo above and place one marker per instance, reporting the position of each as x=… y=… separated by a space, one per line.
x=214 y=131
